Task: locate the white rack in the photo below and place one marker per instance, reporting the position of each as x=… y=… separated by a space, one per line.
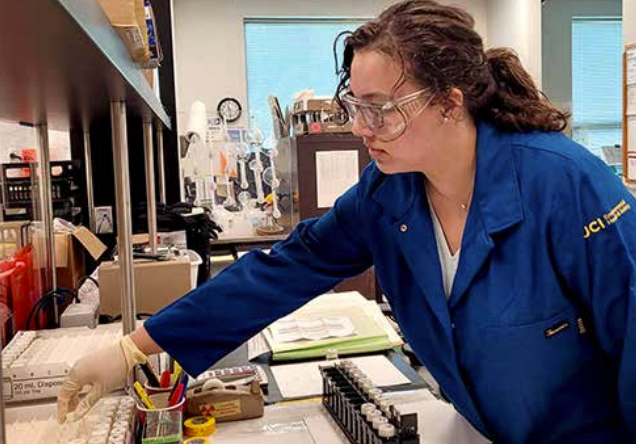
x=111 y=420
x=35 y=363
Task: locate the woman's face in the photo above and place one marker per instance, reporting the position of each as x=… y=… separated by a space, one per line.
x=375 y=77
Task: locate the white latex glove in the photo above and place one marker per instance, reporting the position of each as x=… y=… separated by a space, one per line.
x=105 y=370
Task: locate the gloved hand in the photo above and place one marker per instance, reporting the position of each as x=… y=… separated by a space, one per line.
x=105 y=370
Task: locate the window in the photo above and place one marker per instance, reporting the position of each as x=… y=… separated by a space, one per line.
x=596 y=85
x=285 y=56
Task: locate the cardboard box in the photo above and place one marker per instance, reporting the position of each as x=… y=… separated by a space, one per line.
x=128 y=17
x=157 y=284
x=69 y=261
x=69 y=254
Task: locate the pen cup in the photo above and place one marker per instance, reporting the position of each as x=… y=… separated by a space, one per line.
x=151 y=390
x=164 y=424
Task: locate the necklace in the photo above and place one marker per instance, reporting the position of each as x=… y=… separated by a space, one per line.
x=462 y=205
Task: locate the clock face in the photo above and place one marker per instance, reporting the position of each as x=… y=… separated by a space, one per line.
x=229 y=109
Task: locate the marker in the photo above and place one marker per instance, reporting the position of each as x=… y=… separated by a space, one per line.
x=176 y=373
x=165 y=379
x=143 y=395
x=150 y=375
x=179 y=393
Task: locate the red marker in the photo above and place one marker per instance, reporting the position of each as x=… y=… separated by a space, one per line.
x=165 y=379
x=176 y=396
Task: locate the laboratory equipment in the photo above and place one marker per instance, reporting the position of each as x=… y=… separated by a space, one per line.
x=270 y=178
x=243 y=154
x=35 y=363
x=361 y=411
x=198 y=161
x=111 y=420
x=256 y=139
x=229 y=374
x=161 y=418
x=230 y=150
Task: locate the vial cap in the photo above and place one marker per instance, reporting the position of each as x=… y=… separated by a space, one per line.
x=378 y=421
x=386 y=430
x=366 y=408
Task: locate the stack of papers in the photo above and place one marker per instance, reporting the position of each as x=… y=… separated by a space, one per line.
x=312 y=328
x=346 y=322
x=304 y=379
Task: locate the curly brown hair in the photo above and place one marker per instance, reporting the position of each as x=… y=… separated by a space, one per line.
x=439 y=48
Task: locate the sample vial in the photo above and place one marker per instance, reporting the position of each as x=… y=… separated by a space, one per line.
x=375 y=413
x=331 y=354
x=378 y=421
x=386 y=431
x=374 y=393
x=385 y=406
x=366 y=408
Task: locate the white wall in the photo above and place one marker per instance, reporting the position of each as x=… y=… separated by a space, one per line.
x=629 y=21
x=209 y=41
x=517 y=24
x=14 y=138
x=557 y=41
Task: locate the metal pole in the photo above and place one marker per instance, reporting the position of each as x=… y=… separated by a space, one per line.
x=46 y=203
x=3 y=436
x=89 y=181
x=162 y=177
x=124 y=224
x=150 y=187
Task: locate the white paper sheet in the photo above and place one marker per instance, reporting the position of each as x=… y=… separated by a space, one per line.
x=350 y=299
x=311 y=328
x=303 y=380
x=631 y=66
x=631 y=100
x=631 y=135
x=631 y=168
x=257 y=346
x=336 y=172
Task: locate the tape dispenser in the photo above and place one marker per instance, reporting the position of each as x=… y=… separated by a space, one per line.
x=240 y=399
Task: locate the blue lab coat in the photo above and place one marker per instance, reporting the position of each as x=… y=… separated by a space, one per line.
x=537 y=343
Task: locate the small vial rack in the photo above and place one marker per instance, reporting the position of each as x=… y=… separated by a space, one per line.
x=363 y=412
x=111 y=421
x=35 y=363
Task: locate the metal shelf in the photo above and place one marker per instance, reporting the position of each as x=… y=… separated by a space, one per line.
x=62 y=64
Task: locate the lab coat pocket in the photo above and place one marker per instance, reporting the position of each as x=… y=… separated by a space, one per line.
x=523 y=373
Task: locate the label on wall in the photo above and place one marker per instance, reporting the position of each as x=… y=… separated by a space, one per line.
x=336 y=172
x=103 y=220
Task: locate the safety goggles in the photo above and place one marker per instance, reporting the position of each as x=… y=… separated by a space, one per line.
x=388 y=120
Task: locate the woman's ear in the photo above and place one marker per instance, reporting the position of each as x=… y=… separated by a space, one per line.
x=454 y=105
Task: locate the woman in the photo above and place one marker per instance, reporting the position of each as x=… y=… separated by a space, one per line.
x=505 y=249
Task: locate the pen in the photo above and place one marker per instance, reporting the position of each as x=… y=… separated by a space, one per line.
x=177 y=372
x=143 y=395
x=165 y=379
x=180 y=391
x=150 y=375
x=185 y=380
x=176 y=396
x=175 y=386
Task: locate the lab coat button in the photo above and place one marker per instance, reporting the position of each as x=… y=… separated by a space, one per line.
x=404 y=228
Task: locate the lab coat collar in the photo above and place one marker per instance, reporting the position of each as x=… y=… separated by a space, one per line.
x=496 y=191
x=496 y=187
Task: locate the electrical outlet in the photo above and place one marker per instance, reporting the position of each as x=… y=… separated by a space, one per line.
x=103 y=220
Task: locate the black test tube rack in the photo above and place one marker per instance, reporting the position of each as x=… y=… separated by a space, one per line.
x=343 y=397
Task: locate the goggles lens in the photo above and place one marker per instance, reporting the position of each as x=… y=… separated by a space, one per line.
x=388 y=120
